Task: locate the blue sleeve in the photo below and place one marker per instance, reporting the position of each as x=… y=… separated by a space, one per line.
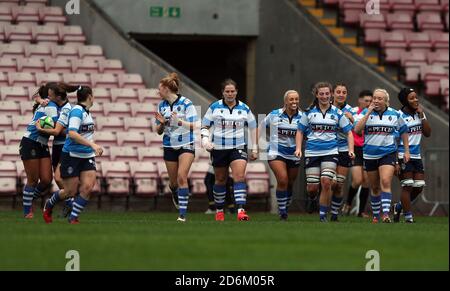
x=75 y=118
x=303 y=123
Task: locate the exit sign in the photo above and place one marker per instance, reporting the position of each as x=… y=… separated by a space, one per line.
x=166 y=12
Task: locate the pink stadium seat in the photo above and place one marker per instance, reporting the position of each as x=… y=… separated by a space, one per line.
x=26 y=108
x=25 y=14
x=101 y=95
x=2 y=31
x=400 y=21
x=131 y=81
x=105 y=138
x=372 y=21
x=104 y=81
x=125 y=95
x=143 y=110
x=2 y=135
x=58 y=65
x=153 y=139
x=150 y=154
x=9 y=108
x=38 y=51
x=3 y=79
x=21 y=79
x=351 y=10
x=13 y=137
x=52 y=15
x=444 y=88
x=429 y=21
x=20 y=122
x=71 y=34
x=92 y=52
x=427 y=5
x=438 y=58
x=10 y=2
x=33 y=65
x=6 y=14
x=9 y=153
x=418 y=40
x=109 y=123
x=45 y=34
x=117 y=109
x=47 y=77
x=14 y=93
x=433 y=73
x=145 y=176
x=85 y=66
x=439 y=40
x=164 y=177
x=18 y=33
x=123 y=154
x=149 y=95
x=77 y=79
x=406 y=6
x=196 y=177
x=394 y=44
x=97 y=109
x=67 y=52
x=257 y=179
x=12 y=50
x=141 y=124
x=117 y=176
x=36 y=3
x=111 y=67
x=8 y=178
x=5 y=121
x=131 y=139
x=8 y=65
x=433 y=88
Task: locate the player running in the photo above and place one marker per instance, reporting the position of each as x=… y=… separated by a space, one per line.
x=381 y=124
x=229 y=118
x=78 y=169
x=283 y=125
x=412 y=175
x=321 y=124
x=177 y=118
x=344 y=160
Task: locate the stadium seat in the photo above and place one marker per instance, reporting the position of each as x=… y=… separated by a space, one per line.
x=6 y=14
x=42 y=78
x=201 y=155
x=85 y=66
x=418 y=40
x=97 y=109
x=9 y=153
x=52 y=15
x=77 y=79
x=117 y=177
x=3 y=79
x=9 y=108
x=440 y=40
x=63 y=66
x=11 y=50
x=5 y=122
x=163 y=178
x=32 y=65
x=123 y=154
x=140 y=124
x=25 y=14
x=20 y=122
x=14 y=94
x=104 y=81
x=105 y=138
x=8 y=179
x=153 y=139
x=405 y=6
x=26 y=108
x=257 y=179
x=71 y=34
x=109 y=123
x=131 y=81
x=143 y=110
x=196 y=177
x=21 y=79
x=18 y=33
x=145 y=179
x=101 y=95
x=131 y=139
x=427 y=5
x=67 y=52
x=2 y=135
x=124 y=95
x=437 y=58
x=350 y=11
x=45 y=34
x=400 y=21
x=111 y=66
x=91 y=52
x=36 y=3
x=12 y=137
x=38 y=51
x=149 y=95
x=117 y=109
x=8 y=65
x=444 y=87
x=429 y=21
x=150 y=154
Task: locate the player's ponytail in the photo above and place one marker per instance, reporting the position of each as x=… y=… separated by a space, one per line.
x=83 y=93
x=171 y=81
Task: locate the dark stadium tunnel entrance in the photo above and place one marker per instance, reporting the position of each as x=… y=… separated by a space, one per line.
x=205 y=60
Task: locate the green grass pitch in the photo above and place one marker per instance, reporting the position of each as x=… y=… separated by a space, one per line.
x=155 y=241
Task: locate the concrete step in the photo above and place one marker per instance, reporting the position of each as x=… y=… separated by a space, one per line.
x=307 y=3
x=336 y=31
x=347 y=40
x=328 y=21
x=317 y=12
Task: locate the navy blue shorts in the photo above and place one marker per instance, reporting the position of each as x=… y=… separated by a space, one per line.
x=31 y=150
x=172 y=155
x=373 y=165
x=72 y=166
x=56 y=155
x=223 y=158
x=344 y=160
x=315 y=162
x=289 y=163
x=413 y=166
x=359 y=160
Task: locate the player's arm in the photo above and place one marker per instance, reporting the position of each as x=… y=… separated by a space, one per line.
x=359 y=128
x=426 y=128
x=298 y=143
x=76 y=137
x=59 y=128
x=160 y=123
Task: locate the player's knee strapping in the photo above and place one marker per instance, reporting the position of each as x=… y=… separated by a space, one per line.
x=407 y=183
x=340 y=179
x=328 y=173
x=419 y=183
x=312 y=179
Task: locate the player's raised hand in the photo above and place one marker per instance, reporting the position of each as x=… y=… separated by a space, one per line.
x=160 y=118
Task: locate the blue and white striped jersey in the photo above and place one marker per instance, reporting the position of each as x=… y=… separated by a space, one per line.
x=321 y=130
x=81 y=121
x=175 y=135
x=32 y=133
x=414 y=125
x=282 y=133
x=63 y=119
x=380 y=133
x=342 y=137
x=229 y=124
